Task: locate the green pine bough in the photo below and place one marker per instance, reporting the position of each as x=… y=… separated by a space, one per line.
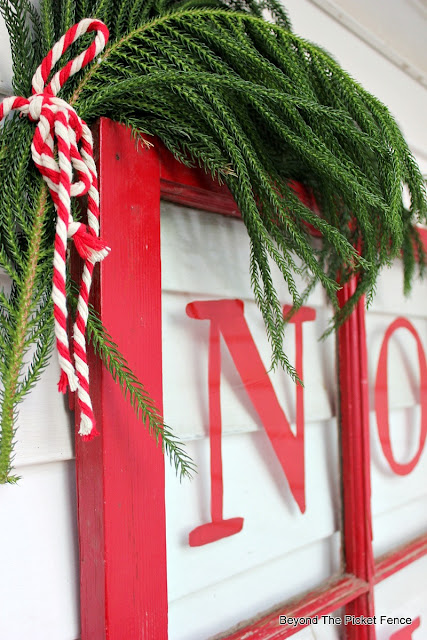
x=254 y=105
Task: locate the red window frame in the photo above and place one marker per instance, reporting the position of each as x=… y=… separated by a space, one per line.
x=120 y=475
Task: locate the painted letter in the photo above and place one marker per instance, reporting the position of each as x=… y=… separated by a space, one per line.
x=227 y=319
x=381 y=398
x=406 y=632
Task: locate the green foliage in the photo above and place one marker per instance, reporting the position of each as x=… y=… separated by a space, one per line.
x=140 y=400
x=257 y=107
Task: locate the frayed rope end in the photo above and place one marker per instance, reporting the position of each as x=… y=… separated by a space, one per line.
x=88 y=430
x=63 y=383
x=90 y=436
x=66 y=381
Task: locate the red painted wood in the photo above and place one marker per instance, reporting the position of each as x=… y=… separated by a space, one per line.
x=423 y=234
x=381 y=398
x=355 y=452
x=90 y=512
x=329 y=598
x=193 y=187
x=399 y=558
x=121 y=473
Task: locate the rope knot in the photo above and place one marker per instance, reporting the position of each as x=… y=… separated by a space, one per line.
x=62 y=150
x=35 y=106
x=89 y=246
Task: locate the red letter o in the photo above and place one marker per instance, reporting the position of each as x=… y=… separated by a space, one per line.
x=381 y=398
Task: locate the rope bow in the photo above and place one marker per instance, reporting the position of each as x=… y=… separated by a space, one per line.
x=62 y=150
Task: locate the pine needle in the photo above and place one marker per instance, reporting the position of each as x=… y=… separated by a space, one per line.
x=139 y=397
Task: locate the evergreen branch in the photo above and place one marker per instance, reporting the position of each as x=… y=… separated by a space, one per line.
x=68 y=11
x=47 y=12
x=43 y=340
x=10 y=381
x=7 y=265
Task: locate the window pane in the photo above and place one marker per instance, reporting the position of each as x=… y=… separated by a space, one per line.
x=330 y=627
x=399 y=478
x=402 y=596
x=281 y=550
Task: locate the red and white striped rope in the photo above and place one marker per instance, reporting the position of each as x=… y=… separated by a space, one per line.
x=68 y=170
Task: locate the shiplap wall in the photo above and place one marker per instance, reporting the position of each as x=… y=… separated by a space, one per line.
x=214 y=587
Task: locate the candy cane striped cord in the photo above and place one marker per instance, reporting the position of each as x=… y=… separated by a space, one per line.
x=71 y=173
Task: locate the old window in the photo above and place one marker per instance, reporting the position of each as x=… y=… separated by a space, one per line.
x=279 y=517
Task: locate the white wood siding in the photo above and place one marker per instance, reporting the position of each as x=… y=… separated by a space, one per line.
x=38 y=536
x=404 y=595
x=277 y=540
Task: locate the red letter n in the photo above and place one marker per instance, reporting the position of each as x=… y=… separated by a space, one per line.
x=227 y=319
